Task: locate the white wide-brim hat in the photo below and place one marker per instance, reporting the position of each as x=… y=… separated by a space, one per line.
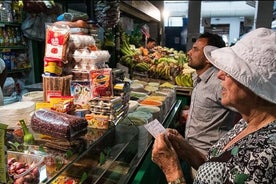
x=251 y=61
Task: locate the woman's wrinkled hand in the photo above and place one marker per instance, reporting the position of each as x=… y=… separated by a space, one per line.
x=177 y=141
x=164 y=155
x=184 y=150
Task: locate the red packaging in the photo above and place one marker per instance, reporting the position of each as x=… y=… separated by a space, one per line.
x=101 y=82
x=56 y=42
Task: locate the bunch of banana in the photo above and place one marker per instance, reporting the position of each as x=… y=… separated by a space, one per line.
x=166 y=73
x=163 y=71
x=184 y=80
x=127 y=60
x=187 y=69
x=152 y=71
x=159 y=69
x=142 y=67
x=182 y=58
x=125 y=46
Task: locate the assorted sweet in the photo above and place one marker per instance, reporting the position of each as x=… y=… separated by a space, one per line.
x=58 y=125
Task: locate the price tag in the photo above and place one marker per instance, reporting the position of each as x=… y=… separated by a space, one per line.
x=155 y=128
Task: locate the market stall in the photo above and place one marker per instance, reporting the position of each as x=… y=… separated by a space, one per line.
x=88 y=124
x=84 y=122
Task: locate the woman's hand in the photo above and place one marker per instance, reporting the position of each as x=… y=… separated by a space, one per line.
x=177 y=140
x=184 y=150
x=164 y=155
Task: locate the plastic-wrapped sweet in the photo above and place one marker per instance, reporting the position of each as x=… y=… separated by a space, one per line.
x=58 y=125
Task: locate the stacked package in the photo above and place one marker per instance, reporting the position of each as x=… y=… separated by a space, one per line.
x=74 y=67
x=105 y=111
x=60 y=44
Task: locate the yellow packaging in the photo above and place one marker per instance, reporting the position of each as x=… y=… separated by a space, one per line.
x=97 y=121
x=53 y=67
x=43 y=105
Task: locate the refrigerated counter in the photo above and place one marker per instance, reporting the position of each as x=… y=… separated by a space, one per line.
x=121 y=154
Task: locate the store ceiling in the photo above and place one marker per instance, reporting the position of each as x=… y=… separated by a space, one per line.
x=212 y=8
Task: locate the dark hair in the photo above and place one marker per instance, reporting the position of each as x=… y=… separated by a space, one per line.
x=151 y=40
x=213 y=39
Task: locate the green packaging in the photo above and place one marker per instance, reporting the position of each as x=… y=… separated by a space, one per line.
x=3 y=154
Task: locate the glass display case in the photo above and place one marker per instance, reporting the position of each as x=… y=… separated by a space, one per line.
x=111 y=156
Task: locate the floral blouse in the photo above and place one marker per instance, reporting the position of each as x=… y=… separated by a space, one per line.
x=250 y=160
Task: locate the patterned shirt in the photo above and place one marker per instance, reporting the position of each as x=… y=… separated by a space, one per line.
x=252 y=159
x=208 y=119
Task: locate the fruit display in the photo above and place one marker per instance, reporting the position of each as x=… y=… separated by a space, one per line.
x=184 y=78
x=162 y=63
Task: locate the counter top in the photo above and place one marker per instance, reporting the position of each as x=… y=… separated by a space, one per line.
x=34 y=87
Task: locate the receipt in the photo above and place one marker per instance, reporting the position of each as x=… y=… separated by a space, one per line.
x=154 y=128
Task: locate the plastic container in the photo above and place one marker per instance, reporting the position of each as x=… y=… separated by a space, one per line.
x=11 y=113
x=141 y=115
x=35 y=163
x=154 y=110
x=132 y=105
x=138 y=96
x=144 y=137
x=35 y=96
x=137 y=87
x=155 y=84
x=151 y=102
x=156 y=103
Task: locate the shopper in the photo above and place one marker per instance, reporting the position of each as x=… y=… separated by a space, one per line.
x=151 y=43
x=246 y=154
x=208 y=119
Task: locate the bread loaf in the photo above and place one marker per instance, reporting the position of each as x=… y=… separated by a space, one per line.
x=58 y=125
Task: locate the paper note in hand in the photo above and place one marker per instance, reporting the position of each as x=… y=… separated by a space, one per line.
x=154 y=128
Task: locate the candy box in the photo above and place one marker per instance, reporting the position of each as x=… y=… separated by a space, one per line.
x=101 y=82
x=26 y=168
x=80 y=90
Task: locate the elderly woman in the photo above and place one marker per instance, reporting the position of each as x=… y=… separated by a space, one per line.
x=247 y=153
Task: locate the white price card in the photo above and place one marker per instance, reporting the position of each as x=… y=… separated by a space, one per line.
x=154 y=128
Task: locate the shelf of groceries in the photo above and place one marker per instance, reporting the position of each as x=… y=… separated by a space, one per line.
x=96 y=155
x=84 y=122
